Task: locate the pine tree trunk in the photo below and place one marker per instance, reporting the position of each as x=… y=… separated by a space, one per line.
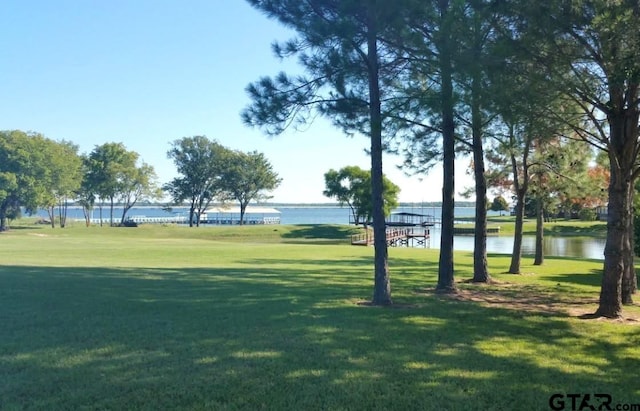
x=610 y=304
x=445 y=267
x=446 y=282
x=516 y=255
x=618 y=250
x=539 y=258
x=480 y=265
x=629 y=278
x=382 y=283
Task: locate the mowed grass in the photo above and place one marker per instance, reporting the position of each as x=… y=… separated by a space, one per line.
x=557 y=227
x=271 y=318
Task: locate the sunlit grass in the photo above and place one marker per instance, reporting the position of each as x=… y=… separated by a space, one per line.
x=179 y=318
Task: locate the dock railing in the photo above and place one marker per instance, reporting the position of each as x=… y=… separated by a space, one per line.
x=362 y=239
x=394 y=237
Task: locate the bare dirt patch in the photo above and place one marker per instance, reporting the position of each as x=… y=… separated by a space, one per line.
x=532 y=299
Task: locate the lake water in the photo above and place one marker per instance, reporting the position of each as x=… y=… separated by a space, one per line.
x=580 y=247
x=583 y=247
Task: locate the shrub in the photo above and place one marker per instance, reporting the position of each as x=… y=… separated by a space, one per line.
x=587 y=214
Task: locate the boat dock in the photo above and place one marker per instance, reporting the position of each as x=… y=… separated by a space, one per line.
x=411 y=220
x=140 y=220
x=404 y=219
x=213 y=216
x=184 y=220
x=396 y=237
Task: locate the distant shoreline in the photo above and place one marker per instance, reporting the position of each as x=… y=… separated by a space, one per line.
x=459 y=204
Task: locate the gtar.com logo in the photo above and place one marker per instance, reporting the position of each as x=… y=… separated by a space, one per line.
x=580 y=402
x=588 y=402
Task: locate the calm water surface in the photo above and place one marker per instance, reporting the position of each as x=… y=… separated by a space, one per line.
x=579 y=247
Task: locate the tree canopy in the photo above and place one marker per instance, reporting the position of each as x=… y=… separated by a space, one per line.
x=247 y=177
x=112 y=172
x=34 y=172
x=499 y=204
x=200 y=163
x=351 y=185
x=212 y=172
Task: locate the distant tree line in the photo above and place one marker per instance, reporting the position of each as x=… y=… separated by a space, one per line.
x=39 y=173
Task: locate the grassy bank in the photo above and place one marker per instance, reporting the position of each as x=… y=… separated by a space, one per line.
x=564 y=228
x=271 y=318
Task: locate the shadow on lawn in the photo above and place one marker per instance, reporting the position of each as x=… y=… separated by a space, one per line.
x=321 y=233
x=593 y=279
x=25 y=227
x=270 y=336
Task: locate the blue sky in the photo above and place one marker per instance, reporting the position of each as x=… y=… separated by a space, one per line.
x=148 y=72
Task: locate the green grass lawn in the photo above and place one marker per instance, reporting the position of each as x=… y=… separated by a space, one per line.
x=561 y=227
x=270 y=318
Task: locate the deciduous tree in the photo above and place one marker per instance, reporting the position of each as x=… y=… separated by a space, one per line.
x=64 y=177
x=139 y=184
x=200 y=163
x=499 y=204
x=247 y=177
x=351 y=185
x=109 y=166
x=24 y=172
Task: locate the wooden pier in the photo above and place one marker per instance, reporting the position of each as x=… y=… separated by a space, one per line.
x=396 y=237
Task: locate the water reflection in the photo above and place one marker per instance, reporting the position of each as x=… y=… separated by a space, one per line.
x=580 y=247
x=583 y=247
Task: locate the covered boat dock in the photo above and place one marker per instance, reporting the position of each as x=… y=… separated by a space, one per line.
x=410 y=220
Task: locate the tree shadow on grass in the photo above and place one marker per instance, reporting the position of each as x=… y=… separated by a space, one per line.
x=322 y=232
x=594 y=278
x=533 y=299
x=24 y=228
x=280 y=334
